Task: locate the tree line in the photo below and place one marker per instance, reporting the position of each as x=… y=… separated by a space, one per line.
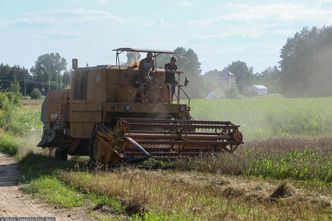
x=49 y=73
x=305 y=69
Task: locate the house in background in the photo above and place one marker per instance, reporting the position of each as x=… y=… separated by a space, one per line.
x=258 y=89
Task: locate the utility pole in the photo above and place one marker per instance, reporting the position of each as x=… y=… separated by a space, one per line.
x=25 y=87
x=57 y=81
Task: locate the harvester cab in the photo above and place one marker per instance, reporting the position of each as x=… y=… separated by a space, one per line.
x=104 y=116
x=155 y=79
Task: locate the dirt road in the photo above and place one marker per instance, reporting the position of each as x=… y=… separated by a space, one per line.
x=13 y=203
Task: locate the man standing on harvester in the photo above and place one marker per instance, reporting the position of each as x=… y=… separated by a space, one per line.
x=146 y=65
x=171 y=69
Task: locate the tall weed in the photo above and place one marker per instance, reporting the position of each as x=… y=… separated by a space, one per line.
x=8 y=145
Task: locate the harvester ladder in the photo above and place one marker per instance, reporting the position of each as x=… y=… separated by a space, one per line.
x=60 y=122
x=64 y=108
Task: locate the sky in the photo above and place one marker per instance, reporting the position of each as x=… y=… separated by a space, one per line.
x=220 y=32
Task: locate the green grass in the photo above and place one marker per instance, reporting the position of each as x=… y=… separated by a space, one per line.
x=270 y=117
x=298 y=159
x=40 y=176
x=299 y=165
x=8 y=145
x=50 y=189
x=168 y=198
x=24 y=121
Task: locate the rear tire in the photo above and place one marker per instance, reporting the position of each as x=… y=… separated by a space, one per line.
x=61 y=154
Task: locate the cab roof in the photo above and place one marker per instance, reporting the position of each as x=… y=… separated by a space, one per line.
x=143 y=50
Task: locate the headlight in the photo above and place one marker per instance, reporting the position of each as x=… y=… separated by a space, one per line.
x=127 y=107
x=182 y=108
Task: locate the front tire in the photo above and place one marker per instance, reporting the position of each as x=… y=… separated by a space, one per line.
x=102 y=153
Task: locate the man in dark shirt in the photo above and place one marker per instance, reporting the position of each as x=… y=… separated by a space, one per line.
x=146 y=65
x=170 y=70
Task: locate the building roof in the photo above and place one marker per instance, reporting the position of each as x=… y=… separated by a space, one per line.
x=143 y=50
x=259 y=86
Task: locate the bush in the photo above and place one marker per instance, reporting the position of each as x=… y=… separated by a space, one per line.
x=36 y=94
x=8 y=104
x=14 y=87
x=8 y=100
x=297 y=121
x=300 y=165
x=232 y=92
x=8 y=145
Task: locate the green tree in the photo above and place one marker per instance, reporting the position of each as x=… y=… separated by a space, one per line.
x=188 y=62
x=306 y=63
x=48 y=70
x=232 y=92
x=270 y=77
x=66 y=79
x=36 y=94
x=8 y=74
x=242 y=73
x=14 y=87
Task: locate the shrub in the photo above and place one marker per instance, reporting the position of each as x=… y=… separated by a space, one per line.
x=232 y=92
x=7 y=102
x=14 y=87
x=300 y=165
x=36 y=94
x=296 y=121
x=8 y=145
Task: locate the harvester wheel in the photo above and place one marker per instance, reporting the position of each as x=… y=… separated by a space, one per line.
x=61 y=153
x=101 y=150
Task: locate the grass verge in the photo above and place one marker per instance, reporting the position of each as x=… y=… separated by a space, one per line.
x=8 y=145
x=40 y=176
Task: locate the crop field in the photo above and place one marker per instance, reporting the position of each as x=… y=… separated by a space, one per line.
x=267 y=117
x=282 y=172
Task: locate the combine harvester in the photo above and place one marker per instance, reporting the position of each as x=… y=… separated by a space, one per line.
x=101 y=116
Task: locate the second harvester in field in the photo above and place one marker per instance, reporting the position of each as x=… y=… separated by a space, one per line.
x=113 y=114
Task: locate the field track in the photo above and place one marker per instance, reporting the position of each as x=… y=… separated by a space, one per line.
x=13 y=203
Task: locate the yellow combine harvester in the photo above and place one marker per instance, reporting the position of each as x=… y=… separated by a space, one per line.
x=101 y=116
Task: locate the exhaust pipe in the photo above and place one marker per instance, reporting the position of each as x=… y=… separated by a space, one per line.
x=74 y=63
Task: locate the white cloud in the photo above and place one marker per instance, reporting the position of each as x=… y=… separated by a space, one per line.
x=325 y=1
x=184 y=3
x=66 y=17
x=97 y=1
x=278 y=12
x=229 y=31
x=63 y=33
x=161 y=22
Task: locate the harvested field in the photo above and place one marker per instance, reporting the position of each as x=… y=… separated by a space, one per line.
x=279 y=177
